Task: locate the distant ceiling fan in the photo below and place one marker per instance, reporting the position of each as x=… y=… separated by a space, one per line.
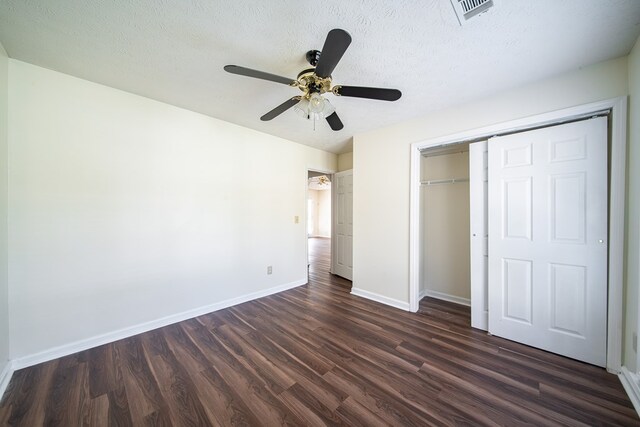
x=314 y=82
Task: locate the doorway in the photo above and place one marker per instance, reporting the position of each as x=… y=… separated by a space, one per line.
x=319 y=206
x=319 y=219
x=615 y=110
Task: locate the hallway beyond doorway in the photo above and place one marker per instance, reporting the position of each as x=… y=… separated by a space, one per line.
x=320 y=263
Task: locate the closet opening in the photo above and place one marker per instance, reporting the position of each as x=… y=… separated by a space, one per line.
x=444 y=219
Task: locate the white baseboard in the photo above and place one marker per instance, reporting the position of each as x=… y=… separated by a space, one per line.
x=5 y=377
x=631 y=385
x=402 y=305
x=445 y=297
x=85 y=344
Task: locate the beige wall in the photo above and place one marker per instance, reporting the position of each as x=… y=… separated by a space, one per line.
x=446 y=226
x=324 y=213
x=633 y=210
x=345 y=161
x=4 y=287
x=381 y=258
x=312 y=213
x=124 y=210
x=321 y=201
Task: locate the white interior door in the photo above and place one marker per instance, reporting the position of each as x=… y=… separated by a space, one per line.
x=478 y=205
x=548 y=239
x=344 y=225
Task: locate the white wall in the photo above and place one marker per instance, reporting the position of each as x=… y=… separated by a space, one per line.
x=633 y=210
x=324 y=213
x=311 y=211
x=445 y=224
x=321 y=200
x=345 y=161
x=4 y=289
x=123 y=210
x=381 y=258
x=312 y=226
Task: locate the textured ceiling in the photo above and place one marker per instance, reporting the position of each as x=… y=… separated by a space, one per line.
x=174 y=51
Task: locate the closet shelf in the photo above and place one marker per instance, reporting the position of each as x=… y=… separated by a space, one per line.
x=444 y=181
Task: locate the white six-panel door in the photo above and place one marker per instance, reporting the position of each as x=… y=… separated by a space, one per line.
x=344 y=225
x=478 y=205
x=548 y=239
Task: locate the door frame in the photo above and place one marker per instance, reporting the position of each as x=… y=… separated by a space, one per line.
x=617 y=107
x=330 y=174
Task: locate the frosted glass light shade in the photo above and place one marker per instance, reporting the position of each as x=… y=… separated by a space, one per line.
x=314 y=108
x=328 y=109
x=316 y=103
x=302 y=108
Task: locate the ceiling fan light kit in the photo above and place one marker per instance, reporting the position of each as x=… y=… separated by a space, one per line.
x=315 y=82
x=314 y=107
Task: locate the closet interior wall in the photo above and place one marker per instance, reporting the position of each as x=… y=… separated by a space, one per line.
x=445 y=269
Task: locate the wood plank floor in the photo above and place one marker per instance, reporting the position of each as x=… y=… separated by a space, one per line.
x=316 y=355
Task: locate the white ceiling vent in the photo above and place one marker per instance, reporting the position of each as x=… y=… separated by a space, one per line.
x=467 y=9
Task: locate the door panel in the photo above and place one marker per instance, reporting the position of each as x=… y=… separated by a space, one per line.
x=567 y=212
x=344 y=224
x=517 y=289
x=517 y=202
x=568 y=298
x=479 y=234
x=548 y=238
x=518 y=155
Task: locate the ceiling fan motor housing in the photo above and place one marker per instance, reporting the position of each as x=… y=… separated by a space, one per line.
x=308 y=82
x=313 y=56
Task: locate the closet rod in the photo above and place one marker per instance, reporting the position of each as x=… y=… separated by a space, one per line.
x=444 y=181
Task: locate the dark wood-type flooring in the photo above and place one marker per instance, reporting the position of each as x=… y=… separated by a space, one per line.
x=316 y=355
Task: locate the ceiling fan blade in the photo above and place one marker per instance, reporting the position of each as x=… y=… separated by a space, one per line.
x=369 y=92
x=334 y=121
x=280 y=109
x=235 y=69
x=335 y=45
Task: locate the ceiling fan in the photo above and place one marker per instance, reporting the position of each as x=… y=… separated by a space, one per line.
x=314 y=82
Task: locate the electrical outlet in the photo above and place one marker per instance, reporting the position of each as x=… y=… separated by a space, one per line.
x=269 y=269
x=296 y=219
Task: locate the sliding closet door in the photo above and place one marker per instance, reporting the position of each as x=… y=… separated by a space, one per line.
x=548 y=239
x=478 y=203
